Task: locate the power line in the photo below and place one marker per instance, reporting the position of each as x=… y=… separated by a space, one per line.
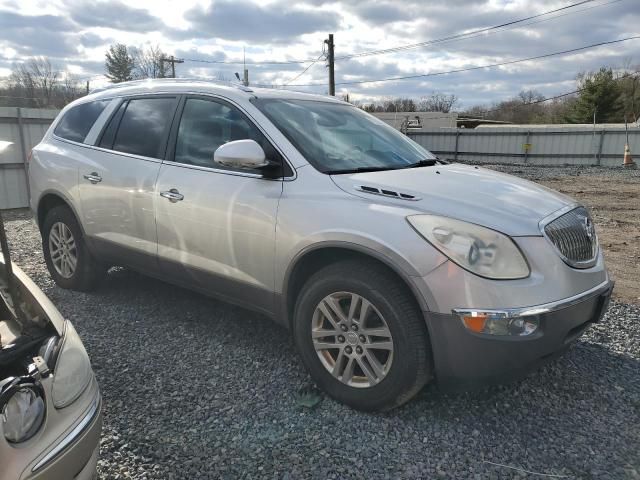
x=480 y=67
x=459 y=35
x=240 y=62
x=482 y=33
x=399 y=48
x=304 y=71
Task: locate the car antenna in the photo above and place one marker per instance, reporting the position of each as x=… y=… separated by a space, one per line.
x=18 y=313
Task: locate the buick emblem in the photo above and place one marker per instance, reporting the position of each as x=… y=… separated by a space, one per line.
x=589 y=229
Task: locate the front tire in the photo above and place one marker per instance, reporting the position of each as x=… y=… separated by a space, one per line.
x=68 y=259
x=361 y=336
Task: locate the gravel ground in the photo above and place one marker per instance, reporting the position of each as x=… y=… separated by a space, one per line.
x=195 y=388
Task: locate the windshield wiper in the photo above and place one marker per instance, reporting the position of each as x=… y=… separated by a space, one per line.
x=361 y=170
x=430 y=162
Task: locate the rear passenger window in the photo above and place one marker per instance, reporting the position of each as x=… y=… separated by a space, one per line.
x=77 y=122
x=144 y=125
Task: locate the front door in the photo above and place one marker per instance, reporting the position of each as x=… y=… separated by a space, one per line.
x=117 y=181
x=216 y=226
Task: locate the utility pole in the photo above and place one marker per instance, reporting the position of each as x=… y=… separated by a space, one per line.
x=172 y=60
x=245 y=76
x=330 y=58
x=87 y=87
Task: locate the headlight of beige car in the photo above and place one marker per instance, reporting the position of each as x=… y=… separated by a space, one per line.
x=23 y=411
x=480 y=250
x=73 y=370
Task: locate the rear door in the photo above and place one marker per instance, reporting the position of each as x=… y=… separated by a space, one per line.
x=217 y=231
x=117 y=183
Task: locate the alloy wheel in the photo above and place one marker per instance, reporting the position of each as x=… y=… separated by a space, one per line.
x=352 y=339
x=63 y=250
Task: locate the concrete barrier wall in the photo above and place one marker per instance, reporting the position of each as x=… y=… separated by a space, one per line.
x=20 y=130
x=539 y=146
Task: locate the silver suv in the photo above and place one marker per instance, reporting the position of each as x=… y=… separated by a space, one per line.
x=390 y=267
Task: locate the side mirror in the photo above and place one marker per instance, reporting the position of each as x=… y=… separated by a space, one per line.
x=245 y=154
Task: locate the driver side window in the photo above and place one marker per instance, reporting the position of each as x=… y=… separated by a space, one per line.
x=207 y=124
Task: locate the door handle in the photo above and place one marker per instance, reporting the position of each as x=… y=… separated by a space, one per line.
x=172 y=195
x=93 y=177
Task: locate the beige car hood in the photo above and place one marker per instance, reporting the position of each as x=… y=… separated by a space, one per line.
x=496 y=200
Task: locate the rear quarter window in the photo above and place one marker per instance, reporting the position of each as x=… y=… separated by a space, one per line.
x=77 y=121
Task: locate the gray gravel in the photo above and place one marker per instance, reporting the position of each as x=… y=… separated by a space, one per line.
x=195 y=388
x=536 y=172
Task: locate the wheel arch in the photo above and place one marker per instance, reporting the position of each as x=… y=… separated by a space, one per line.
x=317 y=256
x=49 y=200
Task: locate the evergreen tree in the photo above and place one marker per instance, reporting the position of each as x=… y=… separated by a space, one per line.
x=600 y=93
x=119 y=64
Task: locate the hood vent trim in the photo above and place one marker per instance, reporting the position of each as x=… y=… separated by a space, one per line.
x=386 y=193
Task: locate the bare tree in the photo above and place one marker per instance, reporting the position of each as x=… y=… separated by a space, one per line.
x=148 y=62
x=37 y=83
x=36 y=79
x=438 y=102
x=70 y=89
x=527 y=107
x=398 y=105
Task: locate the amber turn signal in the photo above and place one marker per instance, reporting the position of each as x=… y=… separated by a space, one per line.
x=475 y=323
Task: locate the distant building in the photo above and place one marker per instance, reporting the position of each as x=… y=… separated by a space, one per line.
x=421 y=121
x=418 y=121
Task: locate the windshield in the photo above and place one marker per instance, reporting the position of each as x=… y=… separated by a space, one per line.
x=338 y=138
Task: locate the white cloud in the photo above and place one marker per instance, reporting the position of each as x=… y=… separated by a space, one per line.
x=77 y=33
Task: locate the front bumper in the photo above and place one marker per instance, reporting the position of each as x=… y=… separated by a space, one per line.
x=74 y=455
x=465 y=359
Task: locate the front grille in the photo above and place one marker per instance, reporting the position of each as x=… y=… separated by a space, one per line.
x=574 y=236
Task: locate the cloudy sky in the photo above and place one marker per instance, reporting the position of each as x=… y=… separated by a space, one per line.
x=75 y=34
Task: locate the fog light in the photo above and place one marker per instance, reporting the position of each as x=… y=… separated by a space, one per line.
x=498 y=322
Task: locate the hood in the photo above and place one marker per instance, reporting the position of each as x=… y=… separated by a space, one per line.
x=19 y=343
x=492 y=199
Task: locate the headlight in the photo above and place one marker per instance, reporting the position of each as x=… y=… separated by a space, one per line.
x=22 y=412
x=73 y=370
x=480 y=250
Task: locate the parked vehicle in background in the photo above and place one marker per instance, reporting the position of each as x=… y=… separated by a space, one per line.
x=392 y=268
x=50 y=405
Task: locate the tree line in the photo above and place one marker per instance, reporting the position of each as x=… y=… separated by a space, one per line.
x=436 y=102
x=606 y=95
x=36 y=83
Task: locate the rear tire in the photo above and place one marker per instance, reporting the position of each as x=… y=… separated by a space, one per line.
x=401 y=363
x=68 y=259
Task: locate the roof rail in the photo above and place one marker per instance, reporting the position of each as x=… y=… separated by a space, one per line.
x=133 y=83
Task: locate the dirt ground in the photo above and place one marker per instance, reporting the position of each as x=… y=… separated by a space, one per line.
x=613 y=196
